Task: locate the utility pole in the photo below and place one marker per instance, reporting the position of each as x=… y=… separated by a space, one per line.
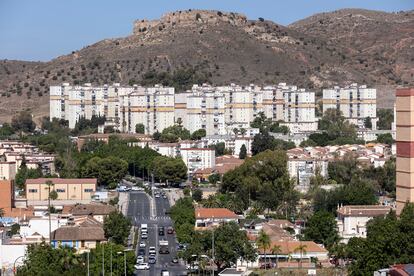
x=87 y=253
x=103 y=260
x=125 y=263
x=212 y=256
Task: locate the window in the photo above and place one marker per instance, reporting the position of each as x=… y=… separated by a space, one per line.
x=60 y=190
x=88 y=190
x=32 y=190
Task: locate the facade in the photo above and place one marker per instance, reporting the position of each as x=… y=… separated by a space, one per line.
x=6 y=195
x=70 y=191
x=355 y=102
x=198 y=158
x=212 y=217
x=96 y=210
x=405 y=147
x=352 y=220
x=151 y=106
x=7 y=170
x=83 y=236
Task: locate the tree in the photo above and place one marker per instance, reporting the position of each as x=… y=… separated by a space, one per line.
x=243 y=152
x=182 y=214
x=385 y=138
x=167 y=169
x=140 y=128
x=219 y=148
x=173 y=133
x=197 y=195
x=214 y=178
x=336 y=126
x=198 y=134
x=6 y=131
x=344 y=169
x=276 y=249
x=24 y=173
x=302 y=249
x=117 y=227
x=385 y=118
x=368 y=122
x=52 y=195
x=264 y=141
x=321 y=228
x=263 y=242
x=109 y=171
x=23 y=122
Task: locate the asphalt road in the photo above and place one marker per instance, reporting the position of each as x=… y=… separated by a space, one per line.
x=142 y=209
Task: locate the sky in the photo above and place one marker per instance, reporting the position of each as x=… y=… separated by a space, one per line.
x=45 y=29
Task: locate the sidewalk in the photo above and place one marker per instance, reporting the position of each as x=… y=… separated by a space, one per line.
x=123 y=203
x=174 y=195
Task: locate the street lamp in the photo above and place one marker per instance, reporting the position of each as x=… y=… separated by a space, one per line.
x=14 y=264
x=125 y=266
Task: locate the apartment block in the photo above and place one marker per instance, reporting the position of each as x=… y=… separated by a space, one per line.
x=70 y=191
x=355 y=102
x=7 y=170
x=299 y=110
x=198 y=158
x=405 y=147
x=151 y=106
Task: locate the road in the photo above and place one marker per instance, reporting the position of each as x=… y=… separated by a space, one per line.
x=143 y=209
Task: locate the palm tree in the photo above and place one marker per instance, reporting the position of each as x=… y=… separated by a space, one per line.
x=276 y=249
x=69 y=258
x=243 y=131
x=263 y=242
x=302 y=249
x=52 y=195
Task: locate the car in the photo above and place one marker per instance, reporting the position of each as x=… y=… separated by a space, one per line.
x=135 y=188
x=142 y=244
x=193 y=267
x=152 y=250
x=157 y=195
x=152 y=260
x=142 y=266
x=141 y=252
x=165 y=273
x=144 y=235
x=140 y=259
x=174 y=260
x=170 y=230
x=161 y=231
x=164 y=197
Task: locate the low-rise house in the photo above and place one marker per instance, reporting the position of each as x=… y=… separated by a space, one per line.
x=95 y=210
x=70 y=191
x=352 y=219
x=212 y=217
x=83 y=236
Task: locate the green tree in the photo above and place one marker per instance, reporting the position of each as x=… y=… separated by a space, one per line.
x=264 y=141
x=109 y=171
x=276 y=250
x=368 y=122
x=117 y=227
x=173 y=133
x=214 y=178
x=243 y=152
x=385 y=118
x=344 y=169
x=302 y=250
x=171 y=170
x=385 y=139
x=140 y=128
x=198 y=134
x=220 y=149
x=182 y=214
x=24 y=173
x=23 y=122
x=263 y=242
x=197 y=195
x=321 y=228
x=6 y=131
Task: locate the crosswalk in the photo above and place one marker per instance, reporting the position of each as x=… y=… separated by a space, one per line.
x=151 y=219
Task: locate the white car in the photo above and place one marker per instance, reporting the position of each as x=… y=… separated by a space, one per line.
x=142 y=266
x=152 y=250
x=144 y=235
x=142 y=244
x=140 y=259
x=157 y=195
x=135 y=188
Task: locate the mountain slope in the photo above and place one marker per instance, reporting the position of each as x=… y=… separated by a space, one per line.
x=224 y=48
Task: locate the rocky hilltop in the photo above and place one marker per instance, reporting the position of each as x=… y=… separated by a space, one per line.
x=196 y=45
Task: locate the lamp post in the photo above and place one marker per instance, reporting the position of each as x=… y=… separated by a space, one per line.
x=14 y=264
x=87 y=256
x=125 y=266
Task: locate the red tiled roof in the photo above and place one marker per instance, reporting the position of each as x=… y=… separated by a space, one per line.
x=62 y=180
x=214 y=213
x=364 y=210
x=288 y=247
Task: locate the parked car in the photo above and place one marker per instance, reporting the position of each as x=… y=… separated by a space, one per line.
x=144 y=235
x=152 y=260
x=142 y=244
x=170 y=230
x=152 y=250
x=161 y=231
x=141 y=252
x=142 y=266
x=140 y=259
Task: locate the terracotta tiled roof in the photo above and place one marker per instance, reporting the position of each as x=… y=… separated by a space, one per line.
x=62 y=180
x=201 y=213
x=364 y=210
x=89 y=209
x=89 y=230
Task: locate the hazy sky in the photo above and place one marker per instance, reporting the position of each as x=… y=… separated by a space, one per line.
x=45 y=29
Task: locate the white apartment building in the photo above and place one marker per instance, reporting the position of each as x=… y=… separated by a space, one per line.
x=355 y=102
x=352 y=219
x=7 y=170
x=302 y=169
x=151 y=106
x=205 y=109
x=198 y=158
x=273 y=102
x=299 y=110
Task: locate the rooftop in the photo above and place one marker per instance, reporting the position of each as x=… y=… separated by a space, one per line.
x=62 y=181
x=364 y=210
x=201 y=213
x=89 y=230
x=88 y=209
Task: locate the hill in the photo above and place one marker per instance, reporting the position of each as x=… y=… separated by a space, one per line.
x=211 y=46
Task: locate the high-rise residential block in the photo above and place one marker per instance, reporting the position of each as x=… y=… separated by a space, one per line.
x=355 y=102
x=405 y=147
